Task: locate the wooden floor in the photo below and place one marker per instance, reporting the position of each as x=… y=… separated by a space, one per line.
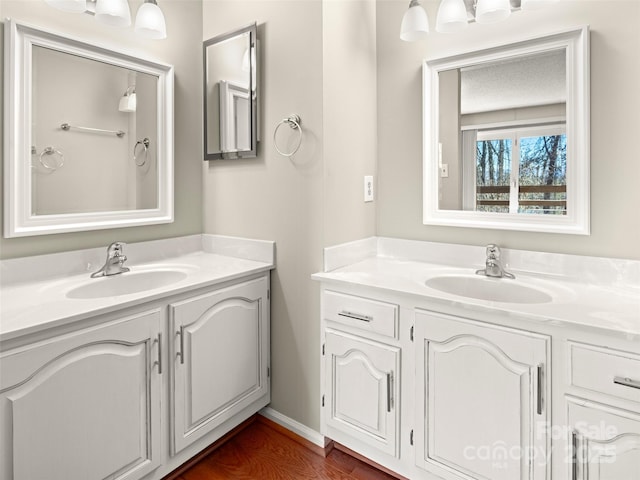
x=261 y=452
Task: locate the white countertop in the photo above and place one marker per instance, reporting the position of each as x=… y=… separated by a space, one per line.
x=613 y=306
x=30 y=306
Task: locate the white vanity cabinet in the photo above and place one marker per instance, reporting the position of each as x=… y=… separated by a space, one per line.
x=532 y=378
x=361 y=358
x=219 y=356
x=481 y=399
x=433 y=390
x=603 y=411
x=84 y=405
x=135 y=392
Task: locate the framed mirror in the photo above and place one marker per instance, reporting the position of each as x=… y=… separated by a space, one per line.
x=506 y=136
x=230 y=95
x=88 y=136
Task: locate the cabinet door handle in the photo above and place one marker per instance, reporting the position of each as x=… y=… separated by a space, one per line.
x=355 y=316
x=540 y=386
x=574 y=455
x=181 y=352
x=389 y=392
x=627 y=382
x=159 y=362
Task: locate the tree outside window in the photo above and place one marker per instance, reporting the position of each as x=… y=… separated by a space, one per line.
x=522 y=170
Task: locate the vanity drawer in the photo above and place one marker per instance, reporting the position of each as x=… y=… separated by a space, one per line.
x=362 y=313
x=611 y=372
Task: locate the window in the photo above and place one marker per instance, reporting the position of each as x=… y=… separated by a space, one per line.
x=519 y=170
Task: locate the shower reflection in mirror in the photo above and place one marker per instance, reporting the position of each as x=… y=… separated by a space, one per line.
x=96 y=133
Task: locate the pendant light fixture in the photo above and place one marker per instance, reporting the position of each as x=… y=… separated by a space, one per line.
x=113 y=12
x=455 y=15
x=128 y=102
x=452 y=16
x=150 y=21
x=415 y=24
x=490 y=11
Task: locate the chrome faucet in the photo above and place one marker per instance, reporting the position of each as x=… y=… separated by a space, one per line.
x=493 y=267
x=115 y=261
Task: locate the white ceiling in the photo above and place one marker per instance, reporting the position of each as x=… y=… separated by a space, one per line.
x=538 y=79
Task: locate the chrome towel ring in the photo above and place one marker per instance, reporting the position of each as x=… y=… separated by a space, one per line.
x=294 y=122
x=51 y=151
x=145 y=144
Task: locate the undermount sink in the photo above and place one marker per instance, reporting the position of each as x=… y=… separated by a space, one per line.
x=126 y=283
x=491 y=289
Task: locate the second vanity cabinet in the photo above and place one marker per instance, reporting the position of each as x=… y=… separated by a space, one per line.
x=135 y=393
x=434 y=390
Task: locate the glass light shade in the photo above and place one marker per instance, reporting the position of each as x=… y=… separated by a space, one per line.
x=415 y=24
x=489 y=11
x=535 y=4
x=150 y=21
x=246 y=65
x=452 y=16
x=113 y=12
x=128 y=102
x=249 y=64
x=73 y=6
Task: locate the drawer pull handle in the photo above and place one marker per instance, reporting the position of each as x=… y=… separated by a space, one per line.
x=356 y=316
x=627 y=382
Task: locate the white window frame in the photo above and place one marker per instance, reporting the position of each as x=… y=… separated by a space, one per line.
x=469 y=180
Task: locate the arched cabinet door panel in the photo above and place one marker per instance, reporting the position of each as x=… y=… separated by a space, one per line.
x=482 y=394
x=362 y=390
x=605 y=441
x=86 y=405
x=220 y=358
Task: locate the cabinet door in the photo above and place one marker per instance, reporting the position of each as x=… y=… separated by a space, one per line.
x=481 y=393
x=605 y=442
x=362 y=398
x=85 y=405
x=220 y=358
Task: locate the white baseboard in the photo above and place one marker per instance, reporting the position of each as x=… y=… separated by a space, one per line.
x=296 y=427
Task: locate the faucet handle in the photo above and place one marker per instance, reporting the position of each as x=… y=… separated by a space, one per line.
x=493 y=251
x=115 y=248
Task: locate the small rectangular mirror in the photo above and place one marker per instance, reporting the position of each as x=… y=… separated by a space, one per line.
x=230 y=95
x=506 y=136
x=89 y=141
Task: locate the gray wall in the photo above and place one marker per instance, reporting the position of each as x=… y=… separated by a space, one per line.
x=615 y=107
x=182 y=49
x=318 y=61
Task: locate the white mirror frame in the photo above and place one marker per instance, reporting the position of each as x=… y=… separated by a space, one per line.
x=576 y=44
x=18 y=219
